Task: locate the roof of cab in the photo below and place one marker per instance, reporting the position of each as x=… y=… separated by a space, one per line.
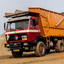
x=7 y=15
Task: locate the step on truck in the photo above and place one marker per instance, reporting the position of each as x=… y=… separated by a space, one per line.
x=37 y=30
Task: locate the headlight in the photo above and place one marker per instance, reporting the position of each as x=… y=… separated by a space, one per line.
x=8 y=45
x=25 y=43
x=8 y=37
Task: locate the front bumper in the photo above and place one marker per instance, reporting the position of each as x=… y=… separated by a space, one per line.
x=13 y=46
x=19 y=45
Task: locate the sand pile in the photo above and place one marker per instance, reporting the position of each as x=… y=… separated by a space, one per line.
x=3 y=50
x=2 y=37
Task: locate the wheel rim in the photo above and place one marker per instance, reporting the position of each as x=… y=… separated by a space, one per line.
x=61 y=46
x=41 y=49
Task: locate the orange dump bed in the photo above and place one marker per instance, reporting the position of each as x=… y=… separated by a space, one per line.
x=51 y=23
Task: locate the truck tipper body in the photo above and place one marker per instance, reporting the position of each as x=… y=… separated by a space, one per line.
x=37 y=30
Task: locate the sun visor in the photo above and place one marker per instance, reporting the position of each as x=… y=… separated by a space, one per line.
x=19 y=18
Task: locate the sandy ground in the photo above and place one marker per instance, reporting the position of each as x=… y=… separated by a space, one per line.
x=29 y=57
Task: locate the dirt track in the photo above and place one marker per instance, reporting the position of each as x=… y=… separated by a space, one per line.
x=32 y=59
x=29 y=57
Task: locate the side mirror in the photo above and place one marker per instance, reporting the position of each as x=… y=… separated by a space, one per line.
x=36 y=21
x=4 y=26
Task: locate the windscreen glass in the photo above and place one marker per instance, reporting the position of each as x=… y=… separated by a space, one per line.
x=22 y=24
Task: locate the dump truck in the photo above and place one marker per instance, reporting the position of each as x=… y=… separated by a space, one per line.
x=37 y=30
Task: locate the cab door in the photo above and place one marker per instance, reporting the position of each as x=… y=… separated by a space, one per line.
x=34 y=28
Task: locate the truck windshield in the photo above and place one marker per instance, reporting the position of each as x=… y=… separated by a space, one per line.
x=22 y=24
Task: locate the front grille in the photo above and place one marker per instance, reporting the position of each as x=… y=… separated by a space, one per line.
x=11 y=38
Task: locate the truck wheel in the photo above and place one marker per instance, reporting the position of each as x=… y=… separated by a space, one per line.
x=17 y=54
x=63 y=47
x=59 y=46
x=40 y=49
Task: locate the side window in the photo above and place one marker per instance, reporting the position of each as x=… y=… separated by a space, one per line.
x=35 y=22
x=31 y=24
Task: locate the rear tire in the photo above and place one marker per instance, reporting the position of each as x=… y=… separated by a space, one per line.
x=17 y=54
x=40 y=49
x=63 y=46
x=59 y=46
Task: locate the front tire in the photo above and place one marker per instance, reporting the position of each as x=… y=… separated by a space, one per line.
x=17 y=54
x=40 y=49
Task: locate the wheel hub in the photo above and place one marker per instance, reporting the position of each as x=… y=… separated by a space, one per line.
x=41 y=49
x=61 y=46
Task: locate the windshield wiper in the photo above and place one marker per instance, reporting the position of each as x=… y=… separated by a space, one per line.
x=19 y=28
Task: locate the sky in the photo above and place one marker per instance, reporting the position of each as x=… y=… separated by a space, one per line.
x=9 y=6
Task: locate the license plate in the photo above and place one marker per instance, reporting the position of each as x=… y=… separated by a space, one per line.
x=17 y=50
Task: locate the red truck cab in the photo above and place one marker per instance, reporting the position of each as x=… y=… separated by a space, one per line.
x=26 y=27
x=21 y=33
